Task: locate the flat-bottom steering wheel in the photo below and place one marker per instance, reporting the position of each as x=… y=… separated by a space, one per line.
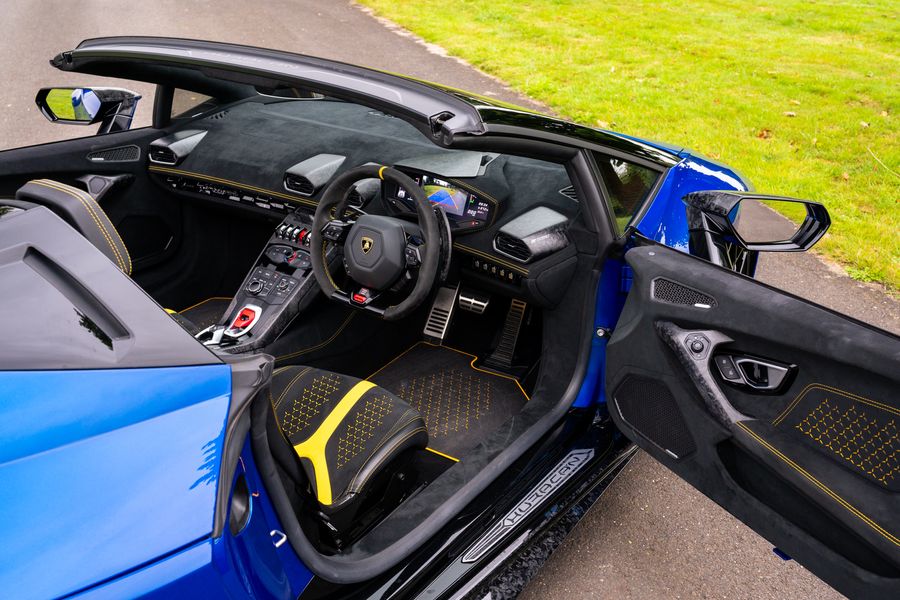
x=381 y=254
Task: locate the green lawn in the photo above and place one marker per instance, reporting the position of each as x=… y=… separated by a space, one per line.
x=802 y=97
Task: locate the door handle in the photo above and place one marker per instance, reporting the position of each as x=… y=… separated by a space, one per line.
x=756 y=373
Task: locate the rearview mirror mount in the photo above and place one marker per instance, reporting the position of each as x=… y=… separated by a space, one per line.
x=113 y=108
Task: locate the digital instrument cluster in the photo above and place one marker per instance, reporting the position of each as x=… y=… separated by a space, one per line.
x=464 y=209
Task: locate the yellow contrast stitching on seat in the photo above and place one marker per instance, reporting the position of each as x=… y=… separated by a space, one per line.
x=47 y=184
x=291 y=384
x=829 y=388
x=313 y=448
x=88 y=202
x=868 y=521
x=114 y=231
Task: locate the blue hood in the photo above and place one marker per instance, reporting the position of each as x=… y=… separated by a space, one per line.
x=104 y=471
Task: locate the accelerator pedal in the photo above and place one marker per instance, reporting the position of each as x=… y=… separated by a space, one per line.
x=441 y=312
x=502 y=357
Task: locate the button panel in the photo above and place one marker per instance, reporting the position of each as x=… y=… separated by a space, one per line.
x=494 y=270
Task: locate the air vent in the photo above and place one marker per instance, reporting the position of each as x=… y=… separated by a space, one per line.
x=354 y=198
x=174 y=148
x=219 y=115
x=569 y=192
x=665 y=290
x=162 y=155
x=312 y=174
x=512 y=246
x=120 y=154
x=299 y=184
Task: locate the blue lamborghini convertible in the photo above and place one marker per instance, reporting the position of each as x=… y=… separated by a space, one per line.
x=322 y=331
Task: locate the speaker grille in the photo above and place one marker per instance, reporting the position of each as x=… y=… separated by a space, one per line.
x=665 y=290
x=120 y=154
x=647 y=405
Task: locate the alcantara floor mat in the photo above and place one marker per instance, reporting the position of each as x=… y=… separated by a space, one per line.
x=461 y=404
x=206 y=313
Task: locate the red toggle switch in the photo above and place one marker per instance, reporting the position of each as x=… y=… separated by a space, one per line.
x=302 y=235
x=244 y=319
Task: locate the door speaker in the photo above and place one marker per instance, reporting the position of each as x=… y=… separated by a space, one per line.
x=669 y=291
x=119 y=154
x=647 y=405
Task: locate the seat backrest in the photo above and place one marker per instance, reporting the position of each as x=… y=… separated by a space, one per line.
x=81 y=211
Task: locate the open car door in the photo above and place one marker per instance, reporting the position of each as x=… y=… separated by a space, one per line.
x=781 y=411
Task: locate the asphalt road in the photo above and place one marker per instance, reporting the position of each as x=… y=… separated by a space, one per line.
x=650 y=535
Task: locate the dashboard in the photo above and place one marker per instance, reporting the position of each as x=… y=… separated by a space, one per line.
x=465 y=209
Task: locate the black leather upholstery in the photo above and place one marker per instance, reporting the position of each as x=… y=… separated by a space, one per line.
x=342 y=432
x=81 y=211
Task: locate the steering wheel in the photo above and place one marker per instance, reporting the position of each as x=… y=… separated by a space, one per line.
x=380 y=253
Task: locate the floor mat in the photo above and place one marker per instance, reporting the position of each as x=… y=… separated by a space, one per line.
x=461 y=404
x=206 y=313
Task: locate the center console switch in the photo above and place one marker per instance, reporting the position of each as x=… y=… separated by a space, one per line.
x=278 y=286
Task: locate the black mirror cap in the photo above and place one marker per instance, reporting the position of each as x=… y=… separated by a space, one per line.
x=113 y=102
x=718 y=207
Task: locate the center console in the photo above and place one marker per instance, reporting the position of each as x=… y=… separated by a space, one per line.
x=276 y=289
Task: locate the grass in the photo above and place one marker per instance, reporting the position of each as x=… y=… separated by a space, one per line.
x=800 y=96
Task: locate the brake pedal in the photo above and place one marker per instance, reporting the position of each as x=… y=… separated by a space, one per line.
x=502 y=356
x=441 y=312
x=473 y=302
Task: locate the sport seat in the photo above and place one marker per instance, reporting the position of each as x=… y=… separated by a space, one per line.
x=346 y=437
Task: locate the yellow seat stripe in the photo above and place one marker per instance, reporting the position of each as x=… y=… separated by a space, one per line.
x=313 y=448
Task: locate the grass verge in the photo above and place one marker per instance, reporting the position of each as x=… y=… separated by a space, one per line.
x=799 y=96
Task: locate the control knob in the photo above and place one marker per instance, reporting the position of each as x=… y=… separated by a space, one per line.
x=255 y=286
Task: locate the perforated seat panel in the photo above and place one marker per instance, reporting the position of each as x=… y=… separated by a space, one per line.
x=342 y=430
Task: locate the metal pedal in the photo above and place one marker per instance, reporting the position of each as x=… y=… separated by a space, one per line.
x=441 y=311
x=502 y=356
x=473 y=302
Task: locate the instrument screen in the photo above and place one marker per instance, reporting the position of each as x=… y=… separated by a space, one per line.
x=464 y=209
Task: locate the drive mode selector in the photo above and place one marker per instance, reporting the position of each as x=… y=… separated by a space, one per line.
x=255 y=286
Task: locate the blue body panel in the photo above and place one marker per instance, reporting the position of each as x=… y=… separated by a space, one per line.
x=104 y=471
x=245 y=565
x=664 y=221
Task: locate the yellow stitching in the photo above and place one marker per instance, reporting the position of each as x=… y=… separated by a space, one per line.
x=245 y=186
x=828 y=388
x=46 y=183
x=320 y=344
x=193 y=306
x=325 y=265
x=475 y=190
x=823 y=487
x=82 y=197
x=442 y=454
x=291 y=384
x=382 y=459
x=112 y=228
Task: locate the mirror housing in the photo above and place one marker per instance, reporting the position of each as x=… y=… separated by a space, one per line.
x=113 y=108
x=715 y=232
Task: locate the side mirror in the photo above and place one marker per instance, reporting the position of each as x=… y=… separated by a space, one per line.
x=730 y=228
x=113 y=108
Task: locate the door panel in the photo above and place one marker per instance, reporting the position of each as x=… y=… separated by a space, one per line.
x=783 y=412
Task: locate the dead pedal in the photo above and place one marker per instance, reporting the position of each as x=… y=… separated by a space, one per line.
x=503 y=355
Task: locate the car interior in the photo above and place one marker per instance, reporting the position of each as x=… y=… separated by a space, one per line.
x=420 y=303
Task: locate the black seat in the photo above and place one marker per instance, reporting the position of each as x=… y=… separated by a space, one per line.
x=81 y=211
x=343 y=436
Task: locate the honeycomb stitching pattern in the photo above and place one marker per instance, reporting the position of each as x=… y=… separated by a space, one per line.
x=363 y=427
x=307 y=406
x=861 y=440
x=449 y=401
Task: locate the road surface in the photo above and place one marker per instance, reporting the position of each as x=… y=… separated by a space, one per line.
x=650 y=535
